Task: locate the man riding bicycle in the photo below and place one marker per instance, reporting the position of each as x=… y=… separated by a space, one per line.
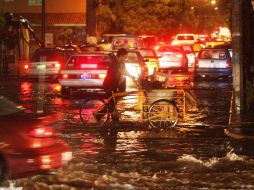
x=114 y=80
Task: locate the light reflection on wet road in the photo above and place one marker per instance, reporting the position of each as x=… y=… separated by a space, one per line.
x=194 y=155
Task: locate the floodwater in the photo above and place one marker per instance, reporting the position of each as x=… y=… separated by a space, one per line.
x=193 y=155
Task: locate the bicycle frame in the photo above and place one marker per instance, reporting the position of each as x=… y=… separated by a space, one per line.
x=158 y=107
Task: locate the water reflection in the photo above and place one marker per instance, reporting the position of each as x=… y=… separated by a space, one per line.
x=26 y=91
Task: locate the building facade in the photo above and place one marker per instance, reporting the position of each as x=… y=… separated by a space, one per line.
x=64 y=19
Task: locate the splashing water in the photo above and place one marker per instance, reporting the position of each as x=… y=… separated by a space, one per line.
x=11 y=187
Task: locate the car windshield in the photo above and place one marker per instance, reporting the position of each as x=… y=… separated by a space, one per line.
x=213 y=54
x=187 y=49
x=88 y=61
x=132 y=57
x=185 y=37
x=167 y=49
x=147 y=53
x=149 y=41
x=8 y=107
x=48 y=55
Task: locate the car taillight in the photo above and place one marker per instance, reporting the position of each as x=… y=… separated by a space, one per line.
x=101 y=76
x=229 y=64
x=65 y=76
x=196 y=63
x=179 y=55
x=57 y=65
x=42 y=132
x=27 y=66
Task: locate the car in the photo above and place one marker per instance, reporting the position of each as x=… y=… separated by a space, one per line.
x=127 y=42
x=213 y=63
x=29 y=144
x=106 y=41
x=150 y=41
x=172 y=58
x=188 y=49
x=85 y=71
x=151 y=60
x=136 y=66
x=184 y=39
x=46 y=62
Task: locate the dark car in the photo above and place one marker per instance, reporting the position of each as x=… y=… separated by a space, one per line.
x=29 y=145
x=47 y=62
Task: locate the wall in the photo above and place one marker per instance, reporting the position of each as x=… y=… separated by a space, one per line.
x=52 y=6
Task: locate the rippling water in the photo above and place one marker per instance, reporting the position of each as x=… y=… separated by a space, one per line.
x=194 y=155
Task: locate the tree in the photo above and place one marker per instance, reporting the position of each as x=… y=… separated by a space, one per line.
x=164 y=17
x=151 y=16
x=104 y=18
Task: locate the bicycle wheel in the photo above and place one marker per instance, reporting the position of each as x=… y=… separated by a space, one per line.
x=162 y=114
x=94 y=111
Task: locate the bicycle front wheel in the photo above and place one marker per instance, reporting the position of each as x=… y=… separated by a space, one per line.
x=94 y=111
x=162 y=114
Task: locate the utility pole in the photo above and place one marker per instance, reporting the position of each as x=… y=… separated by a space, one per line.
x=91 y=7
x=43 y=22
x=238 y=72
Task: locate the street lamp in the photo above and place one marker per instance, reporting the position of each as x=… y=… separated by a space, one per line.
x=213 y=2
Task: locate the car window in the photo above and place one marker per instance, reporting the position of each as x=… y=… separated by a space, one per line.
x=50 y=55
x=185 y=38
x=187 y=48
x=168 y=49
x=147 y=53
x=132 y=57
x=88 y=61
x=213 y=54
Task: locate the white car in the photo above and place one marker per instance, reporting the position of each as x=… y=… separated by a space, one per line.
x=184 y=39
x=85 y=71
x=172 y=58
x=46 y=62
x=213 y=62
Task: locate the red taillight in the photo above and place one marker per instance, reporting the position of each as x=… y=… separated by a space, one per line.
x=26 y=66
x=57 y=65
x=179 y=55
x=101 y=76
x=229 y=64
x=196 y=63
x=42 y=132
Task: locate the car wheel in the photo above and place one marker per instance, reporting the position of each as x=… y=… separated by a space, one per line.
x=3 y=169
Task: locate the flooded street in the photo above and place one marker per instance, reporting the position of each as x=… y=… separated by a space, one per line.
x=193 y=155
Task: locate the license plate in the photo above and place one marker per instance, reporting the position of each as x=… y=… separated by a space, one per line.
x=41 y=67
x=85 y=76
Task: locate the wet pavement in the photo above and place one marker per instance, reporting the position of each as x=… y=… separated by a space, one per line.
x=193 y=155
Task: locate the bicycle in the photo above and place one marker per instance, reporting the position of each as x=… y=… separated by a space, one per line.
x=157 y=107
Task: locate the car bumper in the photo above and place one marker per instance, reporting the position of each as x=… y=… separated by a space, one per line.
x=35 y=73
x=80 y=83
x=212 y=72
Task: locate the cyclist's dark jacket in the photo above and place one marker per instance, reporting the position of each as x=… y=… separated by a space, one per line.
x=113 y=77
